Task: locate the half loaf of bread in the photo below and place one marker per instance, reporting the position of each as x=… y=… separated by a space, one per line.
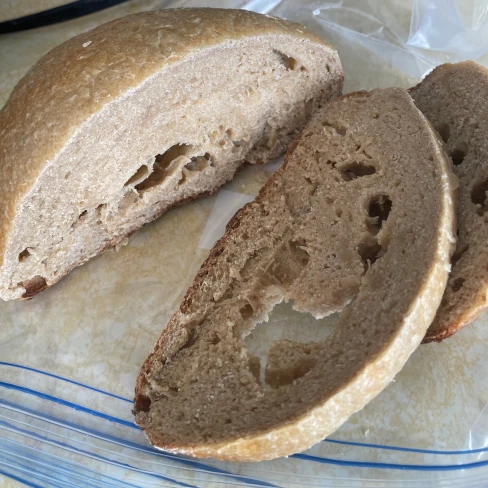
x=454 y=97
x=361 y=210
x=115 y=126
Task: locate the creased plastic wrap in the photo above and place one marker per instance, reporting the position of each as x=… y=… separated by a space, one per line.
x=71 y=355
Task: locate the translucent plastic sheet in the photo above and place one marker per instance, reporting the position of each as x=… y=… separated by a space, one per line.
x=382 y=41
x=71 y=355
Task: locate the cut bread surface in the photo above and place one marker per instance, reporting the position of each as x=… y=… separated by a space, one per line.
x=454 y=97
x=360 y=219
x=115 y=126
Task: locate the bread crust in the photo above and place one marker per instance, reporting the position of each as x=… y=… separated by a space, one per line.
x=300 y=432
x=450 y=94
x=78 y=78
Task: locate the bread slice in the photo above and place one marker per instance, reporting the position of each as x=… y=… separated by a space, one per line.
x=115 y=126
x=454 y=97
x=362 y=209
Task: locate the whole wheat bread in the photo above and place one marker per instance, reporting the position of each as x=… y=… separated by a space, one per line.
x=115 y=126
x=361 y=210
x=454 y=97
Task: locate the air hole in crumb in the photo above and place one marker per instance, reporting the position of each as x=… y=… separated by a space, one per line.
x=329 y=200
x=459 y=153
x=457 y=284
x=289 y=263
x=444 y=131
x=341 y=130
x=143 y=403
x=24 y=255
x=215 y=340
x=327 y=67
x=288 y=62
x=182 y=179
x=79 y=220
x=294 y=371
x=161 y=166
x=98 y=212
x=478 y=196
x=379 y=209
x=298 y=252
x=370 y=251
x=33 y=286
x=246 y=311
x=192 y=338
x=199 y=163
x=275 y=351
x=254 y=364
x=139 y=175
x=458 y=255
x=356 y=170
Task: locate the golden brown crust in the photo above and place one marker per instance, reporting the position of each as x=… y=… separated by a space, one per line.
x=453 y=97
x=438 y=335
x=76 y=79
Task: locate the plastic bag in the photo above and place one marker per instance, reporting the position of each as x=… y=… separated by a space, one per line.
x=408 y=40
x=459 y=29
x=69 y=365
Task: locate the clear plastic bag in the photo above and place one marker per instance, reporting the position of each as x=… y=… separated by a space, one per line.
x=65 y=403
x=458 y=29
x=400 y=40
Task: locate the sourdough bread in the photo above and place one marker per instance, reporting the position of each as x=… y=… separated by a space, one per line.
x=361 y=211
x=454 y=97
x=115 y=126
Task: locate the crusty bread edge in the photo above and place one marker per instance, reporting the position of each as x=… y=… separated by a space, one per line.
x=110 y=244
x=23 y=181
x=117 y=240
x=325 y=418
x=440 y=333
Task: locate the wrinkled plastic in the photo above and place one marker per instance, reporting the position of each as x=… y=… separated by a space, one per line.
x=410 y=39
x=71 y=355
x=453 y=27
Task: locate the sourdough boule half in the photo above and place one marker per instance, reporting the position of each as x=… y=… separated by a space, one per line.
x=115 y=126
x=454 y=97
x=359 y=218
